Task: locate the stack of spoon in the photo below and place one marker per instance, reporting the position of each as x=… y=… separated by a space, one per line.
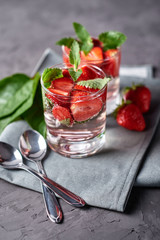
x=33 y=147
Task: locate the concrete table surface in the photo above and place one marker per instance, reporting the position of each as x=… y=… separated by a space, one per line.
x=27 y=28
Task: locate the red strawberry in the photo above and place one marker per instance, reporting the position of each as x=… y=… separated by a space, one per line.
x=140 y=96
x=66 y=52
x=83 y=88
x=64 y=84
x=96 y=53
x=58 y=97
x=96 y=42
x=88 y=73
x=63 y=115
x=111 y=62
x=85 y=109
x=129 y=116
x=66 y=73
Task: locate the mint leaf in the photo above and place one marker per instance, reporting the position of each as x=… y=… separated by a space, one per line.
x=97 y=83
x=112 y=39
x=65 y=42
x=84 y=36
x=50 y=74
x=66 y=122
x=74 y=56
x=75 y=74
x=86 y=46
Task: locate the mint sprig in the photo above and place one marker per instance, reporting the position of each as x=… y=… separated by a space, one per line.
x=75 y=74
x=65 y=42
x=74 y=58
x=50 y=74
x=97 y=83
x=86 y=43
x=112 y=39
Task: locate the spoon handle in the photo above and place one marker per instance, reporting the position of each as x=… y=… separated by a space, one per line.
x=53 y=208
x=65 y=194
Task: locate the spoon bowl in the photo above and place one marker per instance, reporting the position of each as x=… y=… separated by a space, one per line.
x=10 y=157
x=32 y=145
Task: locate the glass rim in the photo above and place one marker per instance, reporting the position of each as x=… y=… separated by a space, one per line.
x=80 y=98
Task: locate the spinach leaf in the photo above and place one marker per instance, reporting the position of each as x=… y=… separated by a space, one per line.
x=18 y=79
x=34 y=115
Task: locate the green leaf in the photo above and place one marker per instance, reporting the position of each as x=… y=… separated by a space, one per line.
x=112 y=39
x=74 y=56
x=97 y=83
x=75 y=74
x=10 y=93
x=50 y=74
x=84 y=36
x=25 y=105
x=81 y=32
x=16 y=100
x=65 y=42
x=66 y=122
x=35 y=114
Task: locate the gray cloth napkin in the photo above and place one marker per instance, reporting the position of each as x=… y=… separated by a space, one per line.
x=105 y=179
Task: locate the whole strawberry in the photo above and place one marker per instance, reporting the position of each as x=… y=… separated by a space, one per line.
x=139 y=95
x=129 y=116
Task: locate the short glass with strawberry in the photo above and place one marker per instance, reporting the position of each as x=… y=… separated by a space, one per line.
x=75 y=110
x=104 y=52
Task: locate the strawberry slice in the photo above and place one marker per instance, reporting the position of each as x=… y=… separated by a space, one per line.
x=96 y=42
x=64 y=84
x=83 y=88
x=66 y=73
x=58 y=91
x=86 y=109
x=95 y=54
x=66 y=55
x=63 y=115
x=87 y=73
x=111 y=62
x=58 y=97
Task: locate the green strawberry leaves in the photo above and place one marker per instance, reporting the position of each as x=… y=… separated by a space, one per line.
x=65 y=42
x=50 y=74
x=112 y=39
x=97 y=83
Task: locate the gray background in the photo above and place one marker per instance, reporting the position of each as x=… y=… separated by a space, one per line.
x=26 y=29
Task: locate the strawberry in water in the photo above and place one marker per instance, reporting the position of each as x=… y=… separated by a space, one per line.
x=96 y=42
x=60 y=88
x=64 y=84
x=87 y=73
x=139 y=95
x=95 y=54
x=63 y=115
x=111 y=62
x=85 y=109
x=83 y=88
x=66 y=73
x=129 y=116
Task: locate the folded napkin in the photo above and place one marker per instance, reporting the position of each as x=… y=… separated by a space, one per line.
x=105 y=179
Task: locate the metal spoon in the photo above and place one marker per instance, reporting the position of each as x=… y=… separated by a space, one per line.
x=11 y=158
x=33 y=147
